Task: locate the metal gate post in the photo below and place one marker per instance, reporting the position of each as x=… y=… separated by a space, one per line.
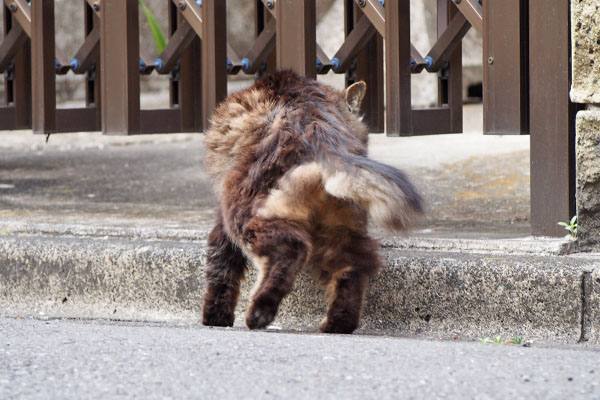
x=296 y=36
x=505 y=96
x=369 y=68
x=186 y=93
x=119 y=66
x=92 y=88
x=43 y=66
x=18 y=89
x=398 y=74
x=190 y=88
x=263 y=17
x=214 y=56
x=552 y=123
x=450 y=87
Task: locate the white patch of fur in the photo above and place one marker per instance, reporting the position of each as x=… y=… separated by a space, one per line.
x=288 y=200
x=306 y=174
x=281 y=205
x=261 y=264
x=385 y=202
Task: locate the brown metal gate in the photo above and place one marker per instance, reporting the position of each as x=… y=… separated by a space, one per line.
x=526 y=72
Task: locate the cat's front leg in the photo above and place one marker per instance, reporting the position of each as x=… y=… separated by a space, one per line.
x=225 y=268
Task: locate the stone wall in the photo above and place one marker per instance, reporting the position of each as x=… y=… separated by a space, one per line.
x=585 y=89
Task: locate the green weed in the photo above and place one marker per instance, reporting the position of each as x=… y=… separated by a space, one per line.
x=498 y=340
x=157 y=33
x=571 y=226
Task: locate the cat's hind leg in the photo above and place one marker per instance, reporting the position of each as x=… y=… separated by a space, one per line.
x=226 y=266
x=346 y=289
x=280 y=249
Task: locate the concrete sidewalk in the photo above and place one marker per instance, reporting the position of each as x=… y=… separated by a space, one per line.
x=471 y=182
x=52 y=359
x=114 y=227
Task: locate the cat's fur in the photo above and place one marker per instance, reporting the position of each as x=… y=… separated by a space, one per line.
x=288 y=158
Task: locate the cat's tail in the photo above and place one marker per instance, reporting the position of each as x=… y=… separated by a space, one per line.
x=389 y=197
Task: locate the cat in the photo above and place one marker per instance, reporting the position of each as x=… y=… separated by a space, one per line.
x=288 y=162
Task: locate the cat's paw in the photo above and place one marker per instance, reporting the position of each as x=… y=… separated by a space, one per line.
x=260 y=316
x=340 y=326
x=213 y=316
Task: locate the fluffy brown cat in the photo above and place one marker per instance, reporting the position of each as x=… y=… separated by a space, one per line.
x=288 y=158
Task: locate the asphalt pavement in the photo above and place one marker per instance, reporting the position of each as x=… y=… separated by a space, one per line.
x=72 y=359
x=82 y=192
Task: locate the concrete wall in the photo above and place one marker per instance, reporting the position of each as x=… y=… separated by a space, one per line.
x=585 y=89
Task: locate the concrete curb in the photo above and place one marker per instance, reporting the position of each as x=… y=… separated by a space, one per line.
x=467 y=289
x=139 y=232
x=522 y=245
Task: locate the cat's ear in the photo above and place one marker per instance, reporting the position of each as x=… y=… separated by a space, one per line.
x=354 y=95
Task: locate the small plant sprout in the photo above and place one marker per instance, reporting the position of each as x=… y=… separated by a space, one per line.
x=498 y=340
x=571 y=227
x=515 y=340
